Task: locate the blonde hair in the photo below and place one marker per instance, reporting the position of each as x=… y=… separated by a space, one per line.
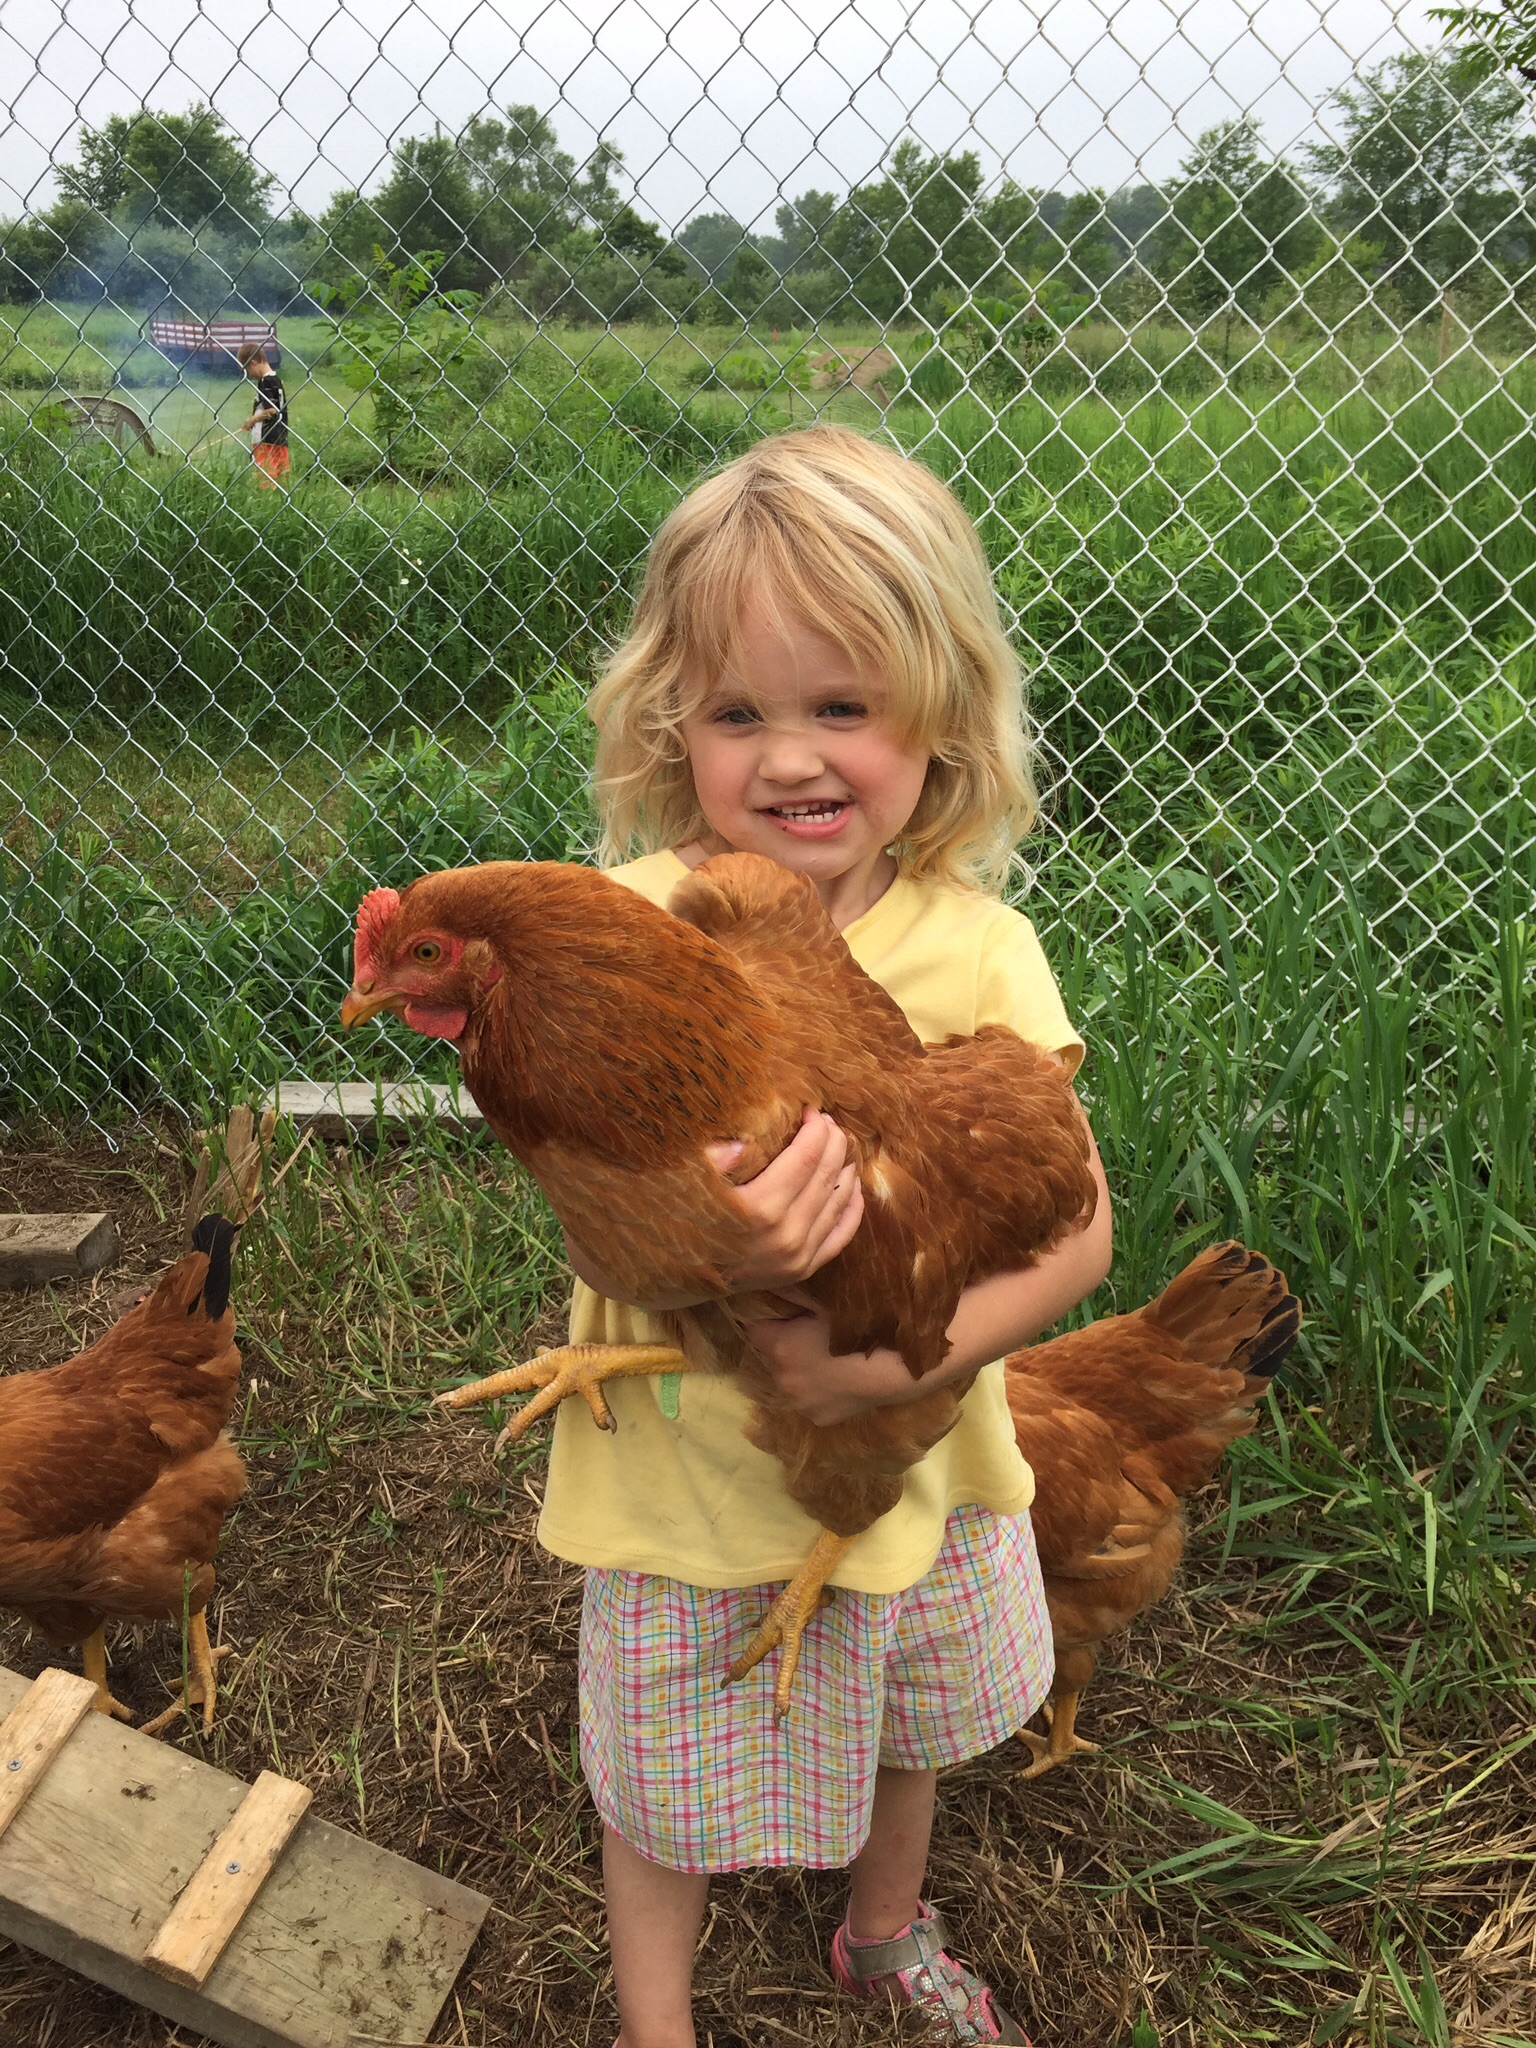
x=872 y=550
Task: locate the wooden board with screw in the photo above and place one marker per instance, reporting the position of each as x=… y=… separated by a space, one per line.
x=342 y=1940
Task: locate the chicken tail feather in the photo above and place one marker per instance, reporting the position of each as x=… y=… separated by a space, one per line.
x=215 y=1236
x=1231 y=1308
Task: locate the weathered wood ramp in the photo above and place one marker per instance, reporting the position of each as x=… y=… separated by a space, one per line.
x=315 y=1939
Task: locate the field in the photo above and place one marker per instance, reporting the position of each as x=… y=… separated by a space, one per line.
x=1278 y=604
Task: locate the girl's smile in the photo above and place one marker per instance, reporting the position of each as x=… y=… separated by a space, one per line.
x=797 y=756
x=819 y=820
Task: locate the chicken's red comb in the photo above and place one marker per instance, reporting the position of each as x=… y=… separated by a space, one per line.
x=375 y=914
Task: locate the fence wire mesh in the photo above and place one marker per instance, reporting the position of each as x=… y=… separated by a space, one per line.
x=1218 y=319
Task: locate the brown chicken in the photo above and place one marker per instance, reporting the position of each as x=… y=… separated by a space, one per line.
x=1119 y=1421
x=116 y=1476
x=609 y=1043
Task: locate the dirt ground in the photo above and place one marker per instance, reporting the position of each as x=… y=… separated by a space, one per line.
x=402 y=1646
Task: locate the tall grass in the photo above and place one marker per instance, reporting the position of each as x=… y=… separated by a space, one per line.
x=1374 y=1137
x=1260 y=626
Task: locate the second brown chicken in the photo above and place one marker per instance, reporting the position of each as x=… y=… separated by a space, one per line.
x=116 y=1473
x=1122 y=1420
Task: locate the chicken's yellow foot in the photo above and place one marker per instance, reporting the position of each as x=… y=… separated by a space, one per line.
x=786 y=1619
x=202 y=1684
x=93 y=1657
x=556 y=1375
x=1064 y=1742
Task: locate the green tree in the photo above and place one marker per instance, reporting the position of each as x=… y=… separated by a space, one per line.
x=802 y=223
x=432 y=202
x=749 y=280
x=183 y=170
x=502 y=205
x=1431 y=165
x=1495 y=39
x=910 y=236
x=713 y=240
x=1071 y=237
x=1238 y=224
x=596 y=191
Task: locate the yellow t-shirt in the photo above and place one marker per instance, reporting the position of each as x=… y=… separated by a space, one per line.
x=689 y=1497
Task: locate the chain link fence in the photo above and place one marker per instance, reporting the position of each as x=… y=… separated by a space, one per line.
x=1219 y=321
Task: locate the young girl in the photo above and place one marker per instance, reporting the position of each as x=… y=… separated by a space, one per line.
x=815 y=671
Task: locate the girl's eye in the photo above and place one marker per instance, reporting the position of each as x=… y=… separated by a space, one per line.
x=429 y=952
x=844 y=708
x=736 y=714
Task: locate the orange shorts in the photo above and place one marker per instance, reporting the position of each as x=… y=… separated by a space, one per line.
x=273 y=462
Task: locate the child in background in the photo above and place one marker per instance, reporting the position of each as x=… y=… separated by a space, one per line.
x=269 y=422
x=815 y=671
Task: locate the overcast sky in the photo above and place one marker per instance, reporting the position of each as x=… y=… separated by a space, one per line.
x=718 y=105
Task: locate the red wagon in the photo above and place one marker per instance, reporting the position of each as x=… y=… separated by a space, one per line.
x=212 y=344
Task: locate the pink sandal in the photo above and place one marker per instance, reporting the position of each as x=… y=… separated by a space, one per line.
x=913 y=1968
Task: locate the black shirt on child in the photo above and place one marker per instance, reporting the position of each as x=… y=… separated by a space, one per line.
x=271 y=397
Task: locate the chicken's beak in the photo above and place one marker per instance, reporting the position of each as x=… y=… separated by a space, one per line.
x=363 y=1003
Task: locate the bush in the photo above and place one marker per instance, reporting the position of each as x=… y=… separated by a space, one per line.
x=738 y=371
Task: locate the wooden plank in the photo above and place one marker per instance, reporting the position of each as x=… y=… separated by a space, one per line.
x=36 y=1249
x=339 y=1110
x=32 y=1736
x=198 y=1929
x=344 y=1939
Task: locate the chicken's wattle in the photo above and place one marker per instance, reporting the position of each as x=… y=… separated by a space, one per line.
x=437 y=1020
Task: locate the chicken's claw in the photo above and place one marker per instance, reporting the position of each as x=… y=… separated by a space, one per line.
x=785 y=1622
x=554 y=1376
x=202 y=1682
x=1064 y=1742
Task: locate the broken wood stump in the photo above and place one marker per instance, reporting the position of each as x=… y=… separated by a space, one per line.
x=37 y=1249
x=116 y=1863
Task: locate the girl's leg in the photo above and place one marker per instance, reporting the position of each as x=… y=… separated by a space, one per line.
x=654 y=1915
x=888 y=1871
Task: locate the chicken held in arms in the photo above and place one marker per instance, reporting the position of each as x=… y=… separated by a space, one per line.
x=116 y=1474
x=1119 y=1422
x=610 y=1043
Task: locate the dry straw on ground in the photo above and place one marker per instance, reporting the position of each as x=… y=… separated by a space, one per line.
x=1246 y=1862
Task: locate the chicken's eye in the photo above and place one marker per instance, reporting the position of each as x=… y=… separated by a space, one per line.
x=428 y=952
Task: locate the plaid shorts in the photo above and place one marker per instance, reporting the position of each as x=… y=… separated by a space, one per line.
x=702 y=1778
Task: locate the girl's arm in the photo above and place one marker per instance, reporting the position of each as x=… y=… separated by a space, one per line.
x=993 y=1318
x=808 y=1205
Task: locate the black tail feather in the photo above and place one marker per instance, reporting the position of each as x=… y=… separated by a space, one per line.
x=215 y=1235
x=1275 y=1340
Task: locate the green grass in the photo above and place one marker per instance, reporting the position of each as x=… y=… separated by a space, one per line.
x=1286 y=619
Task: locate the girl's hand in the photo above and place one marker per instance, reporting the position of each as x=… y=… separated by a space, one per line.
x=806 y=1205
x=824 y=1387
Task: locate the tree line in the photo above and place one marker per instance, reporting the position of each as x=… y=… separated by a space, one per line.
x=1428 y=185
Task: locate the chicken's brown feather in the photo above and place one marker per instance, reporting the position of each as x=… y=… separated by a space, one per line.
x=115 y=1475
x=1122 y=1419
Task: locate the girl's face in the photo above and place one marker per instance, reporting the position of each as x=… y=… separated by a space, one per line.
x=796 y=757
